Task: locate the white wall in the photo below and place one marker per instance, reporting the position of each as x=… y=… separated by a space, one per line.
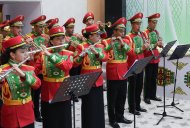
x=30 y=10
x=64 y=9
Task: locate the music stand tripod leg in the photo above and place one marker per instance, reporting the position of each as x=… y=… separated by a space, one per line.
x=173 y=104
x=134 y=99
x=164 y=114
x=73 y=101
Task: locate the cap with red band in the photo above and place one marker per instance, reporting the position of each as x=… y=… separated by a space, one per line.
x=56 y=31
x=87 y=16
x=39 y=21
x=13 y=43
x=137 y=17
x=119 y=24
x=70 y=22
x=17 y=21
x=92 y=29
x=154 y=17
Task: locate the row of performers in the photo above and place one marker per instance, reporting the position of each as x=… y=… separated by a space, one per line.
x=54 y=65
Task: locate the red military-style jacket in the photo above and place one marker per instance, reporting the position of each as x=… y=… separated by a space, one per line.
x=116 y=65
x=90 y=62
x=17 y=110
x=55 y=68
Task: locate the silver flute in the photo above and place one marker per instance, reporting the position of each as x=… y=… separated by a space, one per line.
x=87 y=49
x=11 y=69
x=39 y=50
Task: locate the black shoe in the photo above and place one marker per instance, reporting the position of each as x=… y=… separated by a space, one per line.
x=147 y=101
x=114 y=124
x=141 y=109
x=136 y=112
x=124 y=120
x=39 y=119
x=156 y=99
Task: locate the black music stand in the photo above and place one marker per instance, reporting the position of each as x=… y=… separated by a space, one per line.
x=135 y=69
x=164 y=54
x=178 y=53
x=166 y=49
x=75 y=86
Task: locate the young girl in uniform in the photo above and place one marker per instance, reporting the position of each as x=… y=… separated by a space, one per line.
x=55 y=65
x=17 y=110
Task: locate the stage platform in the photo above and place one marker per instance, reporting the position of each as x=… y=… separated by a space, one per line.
x=147 y=120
